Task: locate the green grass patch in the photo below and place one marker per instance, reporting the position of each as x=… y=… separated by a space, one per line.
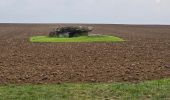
x=76 y=39
x=150 y=90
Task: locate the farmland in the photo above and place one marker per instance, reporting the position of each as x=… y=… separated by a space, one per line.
x=144 y=55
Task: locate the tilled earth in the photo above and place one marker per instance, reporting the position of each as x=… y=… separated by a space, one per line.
x=145 y=55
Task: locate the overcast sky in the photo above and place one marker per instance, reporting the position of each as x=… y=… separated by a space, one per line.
x=85 y=11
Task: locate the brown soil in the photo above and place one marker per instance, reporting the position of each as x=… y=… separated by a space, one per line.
x=144 y=56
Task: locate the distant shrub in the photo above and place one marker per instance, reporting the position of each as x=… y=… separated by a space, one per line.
x=70 y=32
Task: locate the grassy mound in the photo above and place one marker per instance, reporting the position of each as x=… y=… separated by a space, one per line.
x=76 y=39
x=151 y=90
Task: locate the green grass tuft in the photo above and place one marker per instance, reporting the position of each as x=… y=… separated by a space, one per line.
x=76 y=39
x=150 y=90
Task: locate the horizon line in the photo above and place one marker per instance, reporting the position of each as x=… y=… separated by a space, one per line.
x=77 y=23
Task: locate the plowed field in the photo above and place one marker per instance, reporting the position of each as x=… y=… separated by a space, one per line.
x=145 y=55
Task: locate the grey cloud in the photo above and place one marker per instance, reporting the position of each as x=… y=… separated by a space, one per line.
x=86 y=11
